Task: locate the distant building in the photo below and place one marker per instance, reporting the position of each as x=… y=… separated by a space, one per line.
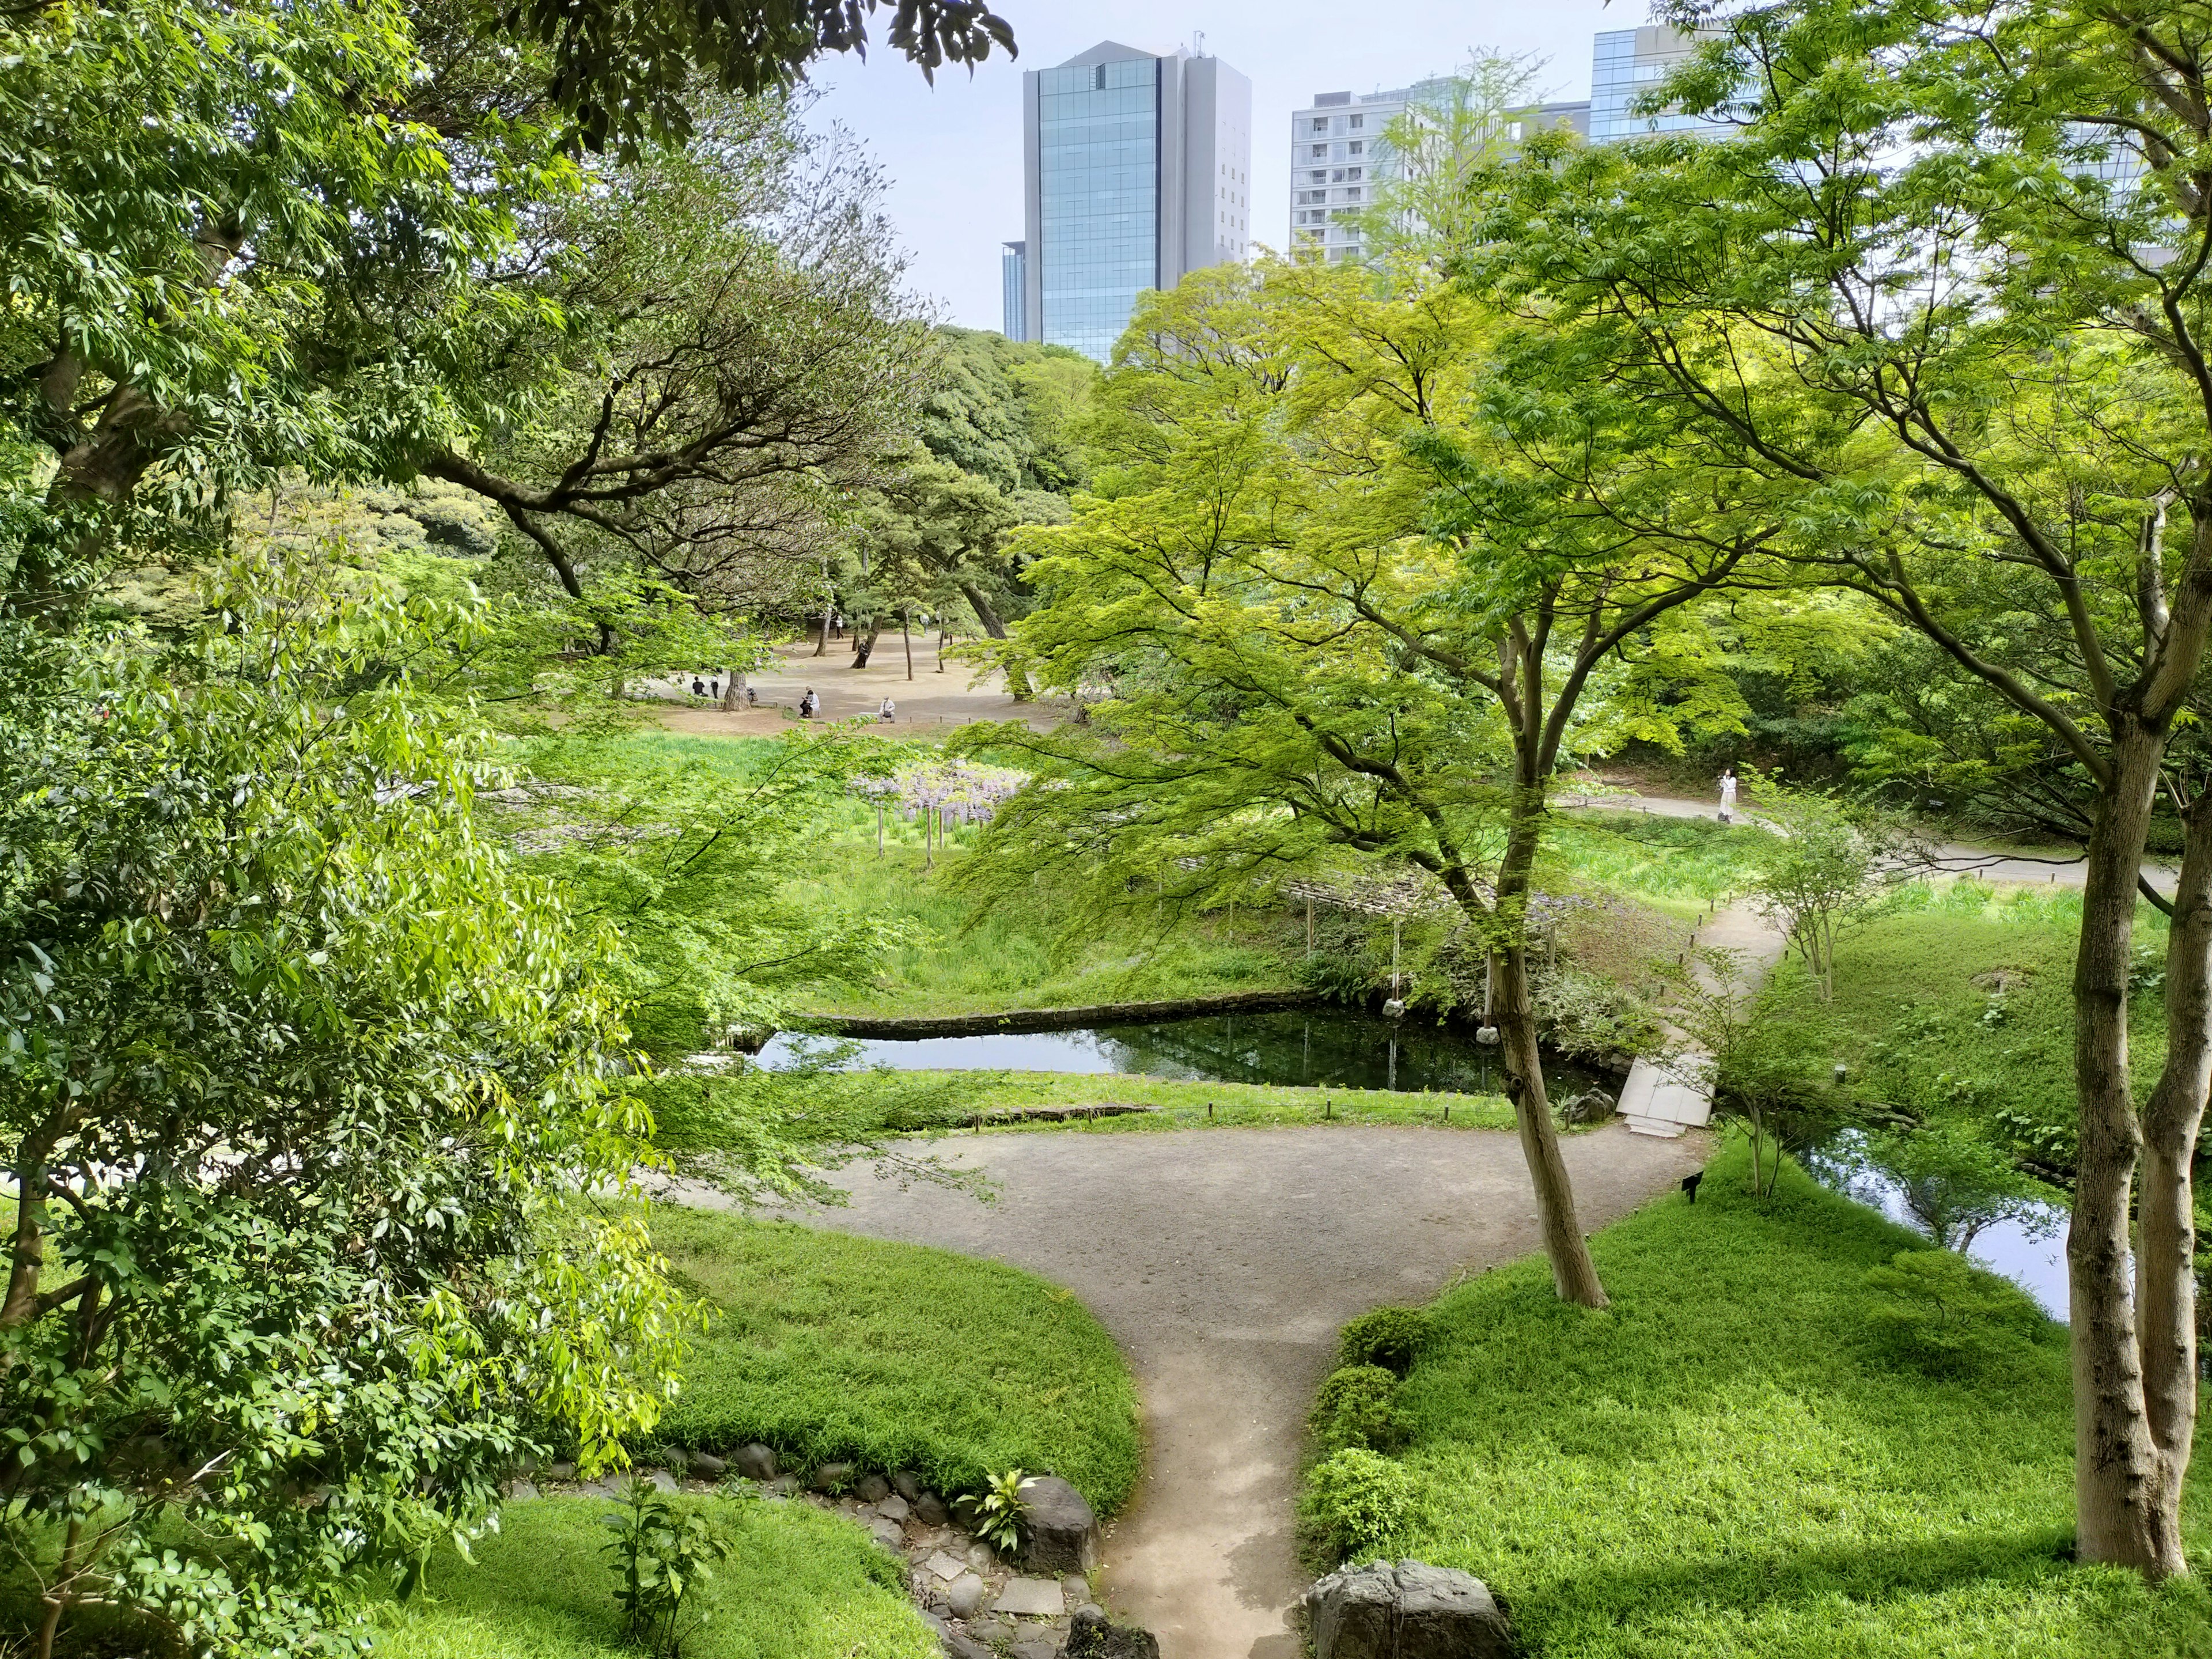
x=1136 y=170
x=1013 y=279
x=1340 y=155
x=1624 y=65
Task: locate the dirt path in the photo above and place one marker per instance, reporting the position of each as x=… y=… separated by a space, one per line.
x=1222 y=1262
x=929 y=703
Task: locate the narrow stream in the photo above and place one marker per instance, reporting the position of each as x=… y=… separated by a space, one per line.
x=1334 y=1048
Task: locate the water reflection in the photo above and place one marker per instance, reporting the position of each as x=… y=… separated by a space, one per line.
x=2032 y=1254
x=1329 y=1048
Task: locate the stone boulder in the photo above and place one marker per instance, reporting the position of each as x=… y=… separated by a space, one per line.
x=757 y=1462
x=1594 y=1107
x=1063 y=1530
x=1409 y=1610
x=1091 y=1635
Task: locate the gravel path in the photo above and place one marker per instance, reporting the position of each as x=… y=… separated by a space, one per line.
x=1222 y=1262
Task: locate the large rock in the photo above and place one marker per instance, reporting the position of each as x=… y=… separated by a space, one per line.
x=1091 y=1635
x=1063 y=1530
x=757 y=1462
x=1408 y=1611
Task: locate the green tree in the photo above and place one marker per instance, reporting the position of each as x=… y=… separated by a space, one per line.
x=1832 y=864
x=1947 y=281
x=302 y=1082
x=1346 y=624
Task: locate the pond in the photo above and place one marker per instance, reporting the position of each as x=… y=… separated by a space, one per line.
x=2032 y=1255
x=1336 y=1047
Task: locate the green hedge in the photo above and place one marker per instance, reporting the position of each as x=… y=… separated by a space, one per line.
x=831 y=1347
x=1733 y=1463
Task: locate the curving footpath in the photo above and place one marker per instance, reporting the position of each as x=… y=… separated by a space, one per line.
x=1222 y=1262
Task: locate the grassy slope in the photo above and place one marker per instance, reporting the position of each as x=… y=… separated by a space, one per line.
x=1909 y=1020
x=1720 y=1465
x=897 y=1356
x=1179 y=1105
x=803 y=1584
x=1008 y=956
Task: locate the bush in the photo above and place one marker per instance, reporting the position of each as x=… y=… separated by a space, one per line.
x=1391 y=1338
x=1941 y=1313
x=1356 y=1408
x=1356 y=1501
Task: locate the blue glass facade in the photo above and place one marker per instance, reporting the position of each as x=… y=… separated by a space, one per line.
x=1626 y=65
x=1098 y=157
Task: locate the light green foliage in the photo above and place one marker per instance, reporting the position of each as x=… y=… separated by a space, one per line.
x=1830 y=864
x=1354 y=1408
x=998 y=1511
x=1722 y=1464
x=294 y=1058
x=1389 y=1337
x=692 y=848
x=800 y=1584
x=1358 y=1504
x=663 y=1557
x=833 y=1348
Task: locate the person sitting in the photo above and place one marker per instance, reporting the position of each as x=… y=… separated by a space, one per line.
x=698 y=686
x=888 y=712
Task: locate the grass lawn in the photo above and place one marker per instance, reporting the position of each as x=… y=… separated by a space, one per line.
x=833 y=1348
x=1179 y=1105
x=1725 y=1463
x=803 y=1584
x=1917 y=1032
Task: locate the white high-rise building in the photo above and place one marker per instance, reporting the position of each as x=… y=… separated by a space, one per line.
x=1136 y=170
x=1340 y=155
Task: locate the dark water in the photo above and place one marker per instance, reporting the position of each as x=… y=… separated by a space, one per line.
x=2032 y=1255
x=1336 y=1047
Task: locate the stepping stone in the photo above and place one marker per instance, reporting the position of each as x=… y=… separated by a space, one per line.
x=887 y=1534
x=1031 y=1598
x=945 y=1567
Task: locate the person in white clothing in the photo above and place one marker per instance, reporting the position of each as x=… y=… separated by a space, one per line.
x=888 y=712
x=1728 y=795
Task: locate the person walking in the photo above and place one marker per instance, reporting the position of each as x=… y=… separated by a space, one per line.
x=1728 y=795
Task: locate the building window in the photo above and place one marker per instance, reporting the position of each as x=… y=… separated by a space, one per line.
x=1320 y=123
x=1319 y=176
x=1353 y=174
x=1357 y=148
x=1358 y=122
x=1319 y=153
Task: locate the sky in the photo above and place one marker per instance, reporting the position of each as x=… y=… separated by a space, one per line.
x=953 y=153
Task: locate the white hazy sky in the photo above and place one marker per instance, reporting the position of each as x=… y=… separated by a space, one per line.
x=954 y=155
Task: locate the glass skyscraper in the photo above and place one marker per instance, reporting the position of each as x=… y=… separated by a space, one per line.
x=1136 y=170
x=1625 y=64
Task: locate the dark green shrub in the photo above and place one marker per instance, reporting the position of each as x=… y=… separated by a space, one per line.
x=1356 y=1408
x=1940 y=1313
x=1389 y=1337
x=1357 y=1502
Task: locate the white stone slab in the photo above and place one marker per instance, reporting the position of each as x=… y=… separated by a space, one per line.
x=1031 y=1598
x=944 y=1566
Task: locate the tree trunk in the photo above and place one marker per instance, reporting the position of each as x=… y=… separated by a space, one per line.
x=821 y=645
x=944 y=639
x=1574 y=1276
x=2165 y=1266
x=984 y=614
x=733 y=694
x=863 y=648
x=2122 y=1517
x=906 y=640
